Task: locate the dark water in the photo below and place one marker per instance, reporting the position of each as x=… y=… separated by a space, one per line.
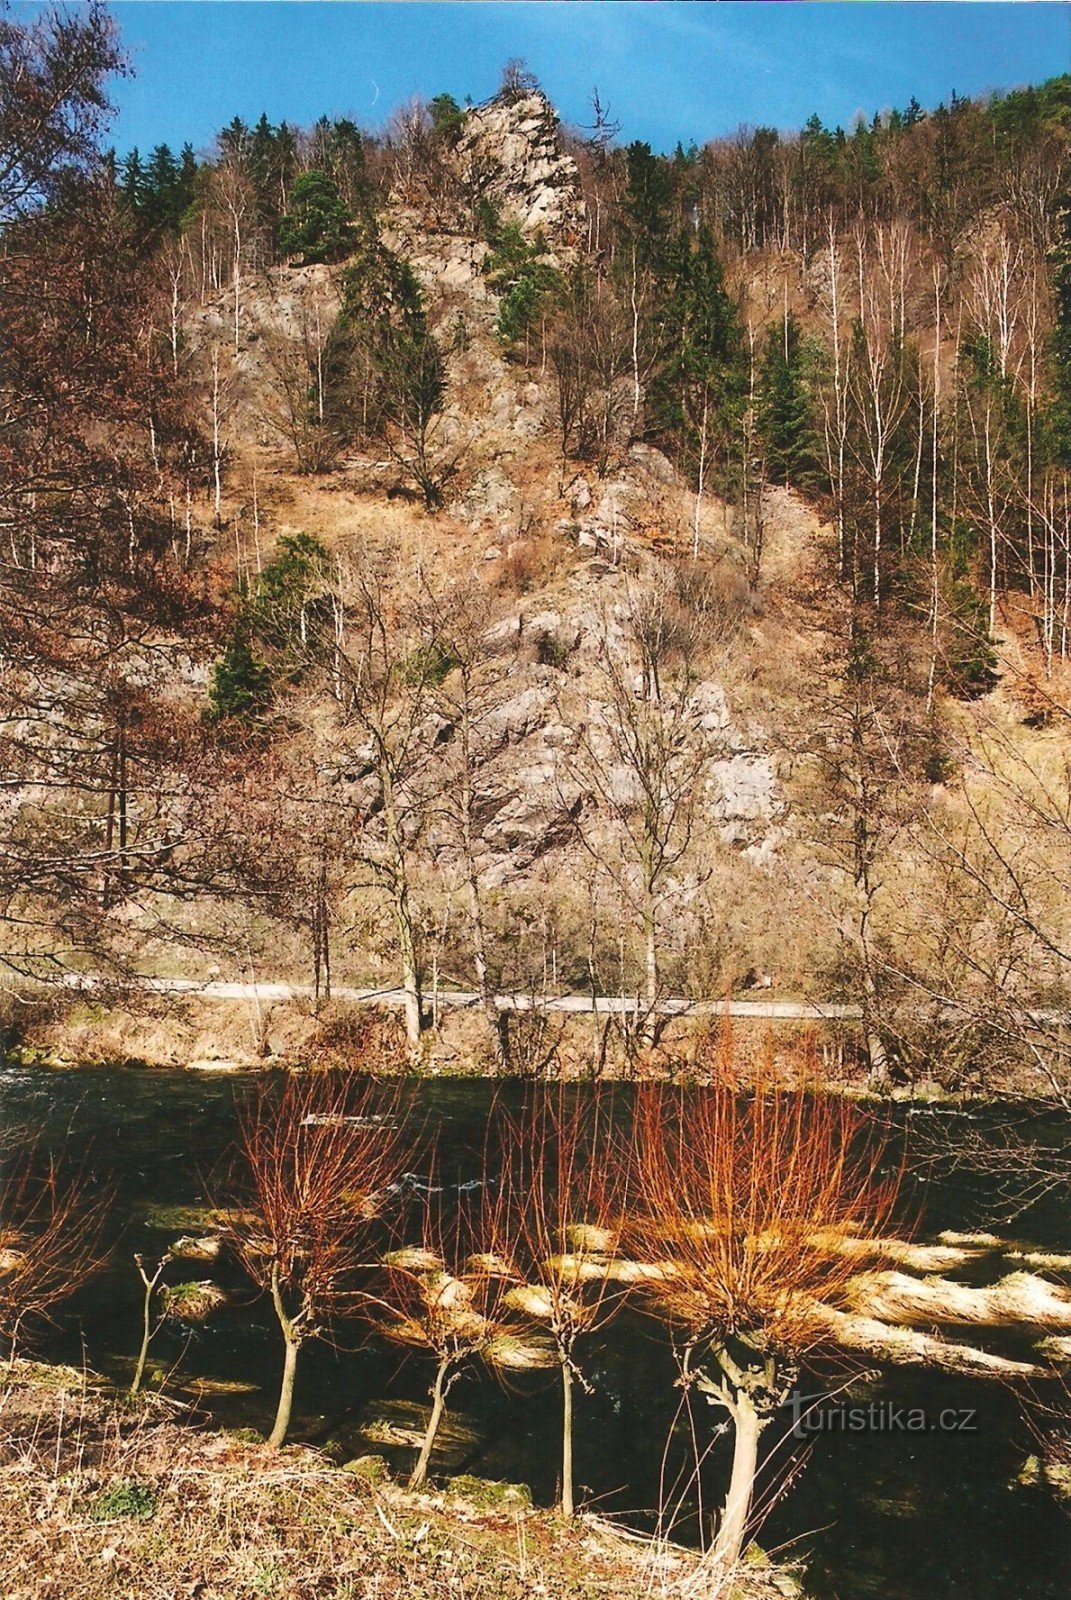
x=891 y=1515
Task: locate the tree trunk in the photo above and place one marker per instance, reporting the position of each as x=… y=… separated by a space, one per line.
x=293 y=1342
x=146 y=1335
x=568 y=1506
x=438 y=1405
x=497 y=1021
x=398 y=880
x=650 y=941
x=286 y=1394
x=733 y=1528
x=410 y=972
x=875 y=1045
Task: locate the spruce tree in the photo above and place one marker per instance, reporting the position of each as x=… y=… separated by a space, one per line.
x=241 y=683
x=785 y=407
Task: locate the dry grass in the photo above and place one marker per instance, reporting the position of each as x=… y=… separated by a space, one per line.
x=101 y=1501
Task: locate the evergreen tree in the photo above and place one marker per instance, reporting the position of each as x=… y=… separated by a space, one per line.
x=132 y=181
x=319 y=225
x=241 y=682
x=447 y=117
x=518 y=270
x=699 y=376
x=269 y=638
x=161 y=184
x=234 y=139
x=645 y=206
x=346 y=159
x=387 y=369
x=785 y=407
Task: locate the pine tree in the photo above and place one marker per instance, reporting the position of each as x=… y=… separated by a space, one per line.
x=319 y=225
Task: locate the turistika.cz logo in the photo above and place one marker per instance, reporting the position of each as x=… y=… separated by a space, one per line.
x=817 y=1413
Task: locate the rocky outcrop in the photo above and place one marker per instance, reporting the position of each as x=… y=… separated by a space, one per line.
x=510 y=153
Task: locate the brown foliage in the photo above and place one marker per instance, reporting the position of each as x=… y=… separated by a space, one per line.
x=320 y=1157
x=743 y=1199
x=51 y=1227
x=564 y=1181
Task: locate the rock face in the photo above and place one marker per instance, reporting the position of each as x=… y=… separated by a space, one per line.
x=510 y=153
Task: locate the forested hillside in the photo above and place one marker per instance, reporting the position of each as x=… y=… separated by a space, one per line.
x=478 y=553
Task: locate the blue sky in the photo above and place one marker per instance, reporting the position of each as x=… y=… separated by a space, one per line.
x=669 y=71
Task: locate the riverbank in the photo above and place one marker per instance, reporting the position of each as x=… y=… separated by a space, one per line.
x=199 y=1031
x=101 y=1499
x=216 y=1024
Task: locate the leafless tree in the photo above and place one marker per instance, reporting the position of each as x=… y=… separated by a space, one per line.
x=447 y=1295
x=645 y=753
x=297 y=405
x=564 y=1178
x=589 y=349
x=477 y=681
x=318 y=1161
x=51 y=1236
x=738 y=1196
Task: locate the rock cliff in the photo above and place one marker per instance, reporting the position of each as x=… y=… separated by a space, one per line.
x=510 y=153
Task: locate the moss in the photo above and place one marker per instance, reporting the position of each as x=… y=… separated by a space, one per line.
x=126 y=1499
x=488 y=1495
x=35 y=1055
x=1036 y=1473
x=370 y=1469
x=193 y=1302
x=181 y=1219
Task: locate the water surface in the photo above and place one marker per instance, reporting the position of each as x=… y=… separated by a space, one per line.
x=895 y=1516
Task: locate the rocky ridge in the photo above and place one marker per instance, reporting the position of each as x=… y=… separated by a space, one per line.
x=509 y=153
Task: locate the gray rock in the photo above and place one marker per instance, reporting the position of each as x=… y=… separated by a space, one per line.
x=510 y=153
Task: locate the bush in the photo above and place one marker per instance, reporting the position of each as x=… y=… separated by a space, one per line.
x=429 y=665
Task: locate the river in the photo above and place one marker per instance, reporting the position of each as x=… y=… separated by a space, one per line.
x=898 y=1516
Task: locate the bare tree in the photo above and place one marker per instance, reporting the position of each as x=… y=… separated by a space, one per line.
x=389 y=668
x=738 y=1197
x=557 y=1226
x=863 y=760
x=835 y=402
x=589 y=349
x=150 y=1282
x=446 y=1297
x=645 y=754
x=877 y=377
x=318 y=1160
x=297 y=405
x=51 y=1233
x=476 y=683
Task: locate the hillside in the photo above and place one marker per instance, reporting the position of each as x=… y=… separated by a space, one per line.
x=511 y=651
